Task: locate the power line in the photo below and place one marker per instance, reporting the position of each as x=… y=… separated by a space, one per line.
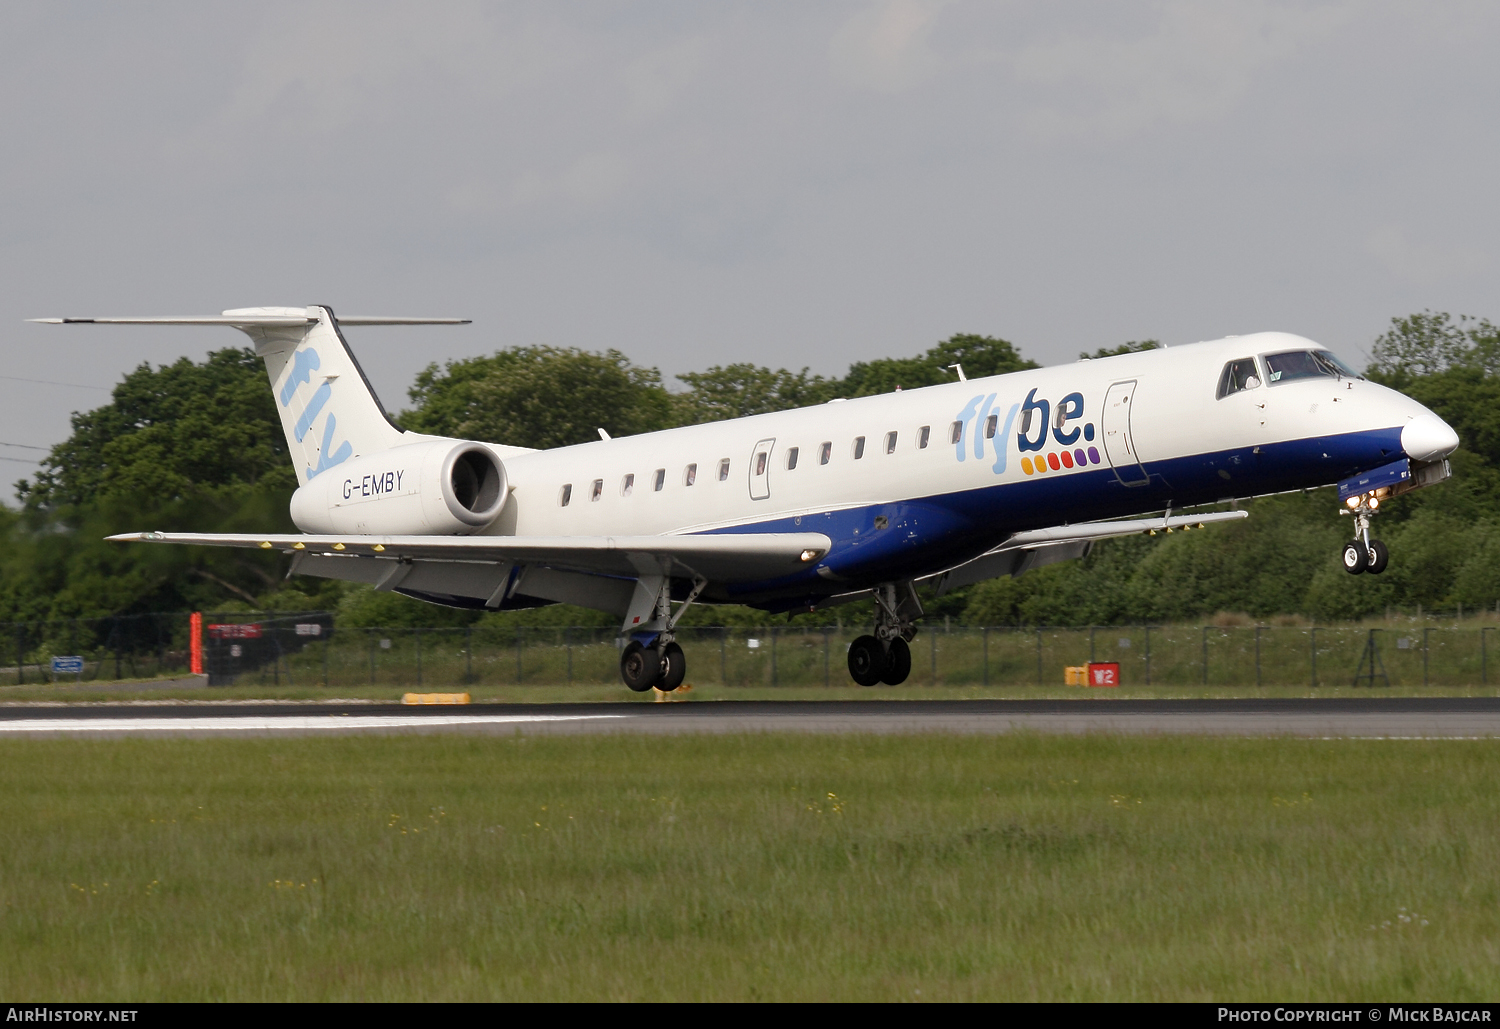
x=24 y=446
x=20 y=460
x=53 y=382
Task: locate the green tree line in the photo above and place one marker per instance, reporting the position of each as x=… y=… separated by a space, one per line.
x=197 y=446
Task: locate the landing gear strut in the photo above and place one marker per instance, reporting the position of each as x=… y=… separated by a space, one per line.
x=1363 y=554
x=886 y=656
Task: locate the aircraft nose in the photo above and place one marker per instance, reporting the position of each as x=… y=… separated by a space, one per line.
x=1427 y=438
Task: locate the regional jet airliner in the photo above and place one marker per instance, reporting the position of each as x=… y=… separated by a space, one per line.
x=804 y=509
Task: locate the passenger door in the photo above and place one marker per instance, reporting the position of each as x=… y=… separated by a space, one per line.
x=1119 y=446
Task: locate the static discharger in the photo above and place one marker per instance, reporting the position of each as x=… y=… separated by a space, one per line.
x=434 y=698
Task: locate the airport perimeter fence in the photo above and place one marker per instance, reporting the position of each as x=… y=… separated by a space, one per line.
x=307 y=649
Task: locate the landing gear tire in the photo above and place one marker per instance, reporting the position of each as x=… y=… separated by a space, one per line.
x=1356 y=557
x=640 y=667
x=867 y=660
x=898 y=663
x=674 y=668
x=1379 y=558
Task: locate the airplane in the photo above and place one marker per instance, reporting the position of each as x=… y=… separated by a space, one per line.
x=804 y=509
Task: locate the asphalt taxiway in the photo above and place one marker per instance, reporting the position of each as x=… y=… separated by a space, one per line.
x=1373 y=717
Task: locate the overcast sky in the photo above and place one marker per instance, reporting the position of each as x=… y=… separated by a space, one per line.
x=794 y=184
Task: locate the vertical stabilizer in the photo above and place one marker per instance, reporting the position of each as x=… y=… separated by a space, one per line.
x=328 y=410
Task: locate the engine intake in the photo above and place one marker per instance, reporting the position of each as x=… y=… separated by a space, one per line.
x=473 y=484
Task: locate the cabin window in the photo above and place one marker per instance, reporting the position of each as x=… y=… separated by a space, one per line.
x=924 y=436
x=825 y=453
x=690 y=475
x=890 y=443
x=1306 y=364
x=791 y=459
x=956 y=432
x=660 y=480
x=989 y=426
x=597 y=491
x=1026 y=421
x=724 y=469
x=760 y=463
x=859 y=447
x=627 y=485
x=1238 y=375
x=564 y=495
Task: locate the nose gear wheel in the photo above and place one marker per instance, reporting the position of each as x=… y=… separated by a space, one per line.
x=1356 y=557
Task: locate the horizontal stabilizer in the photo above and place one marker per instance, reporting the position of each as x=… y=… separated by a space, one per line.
x=718 y=556
x=236 y=320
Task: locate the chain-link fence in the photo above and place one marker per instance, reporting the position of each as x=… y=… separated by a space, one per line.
x=1148 y=655
x=308 y=649
x=120 y=647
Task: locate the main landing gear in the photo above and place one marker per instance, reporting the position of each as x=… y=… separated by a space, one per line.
x=661 y=665
x=886 y=656
x=1362 y=554
x=653 y=659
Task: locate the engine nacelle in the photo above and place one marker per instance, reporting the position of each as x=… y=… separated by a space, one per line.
x=440 y=487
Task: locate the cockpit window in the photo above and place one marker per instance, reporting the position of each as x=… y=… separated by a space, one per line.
x=1306 y=364
x=1238 y=375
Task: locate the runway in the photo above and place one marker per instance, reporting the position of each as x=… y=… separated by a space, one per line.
x=1382 y=718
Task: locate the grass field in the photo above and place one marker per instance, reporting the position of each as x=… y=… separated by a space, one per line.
x=749 y=867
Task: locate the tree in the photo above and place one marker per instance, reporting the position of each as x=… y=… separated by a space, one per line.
x=1134 y=346
x=178 y=432
x=186 y=446
x=1430 y=343
x=979 y=356
x=737 y=390
x=539 y=397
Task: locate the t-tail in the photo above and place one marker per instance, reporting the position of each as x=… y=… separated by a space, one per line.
x=387 y=480
x=328 y=409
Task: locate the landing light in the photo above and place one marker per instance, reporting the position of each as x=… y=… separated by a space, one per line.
x=810 y=555
x=1352 y=502
x=1374 y=503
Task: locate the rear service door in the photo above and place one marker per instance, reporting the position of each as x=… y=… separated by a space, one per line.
x=760 y=470
x=1119 y=446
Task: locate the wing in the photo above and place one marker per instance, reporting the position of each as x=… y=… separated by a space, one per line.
x=1126 y=527
x=1036 y=548
x=718 y=557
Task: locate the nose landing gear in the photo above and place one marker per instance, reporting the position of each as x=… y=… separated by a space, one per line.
x=1363 y=554
x=886 y=656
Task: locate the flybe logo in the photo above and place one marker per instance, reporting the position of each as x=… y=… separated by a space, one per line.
x=1049 y=437
x=304 y=363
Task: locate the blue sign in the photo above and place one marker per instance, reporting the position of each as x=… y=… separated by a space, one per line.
x=70 y=664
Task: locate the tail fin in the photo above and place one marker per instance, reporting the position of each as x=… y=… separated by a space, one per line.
x=328 y=409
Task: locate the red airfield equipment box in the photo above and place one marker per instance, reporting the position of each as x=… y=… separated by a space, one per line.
x=1104 y=673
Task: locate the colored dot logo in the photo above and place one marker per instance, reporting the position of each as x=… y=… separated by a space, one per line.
x=1056 y=462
